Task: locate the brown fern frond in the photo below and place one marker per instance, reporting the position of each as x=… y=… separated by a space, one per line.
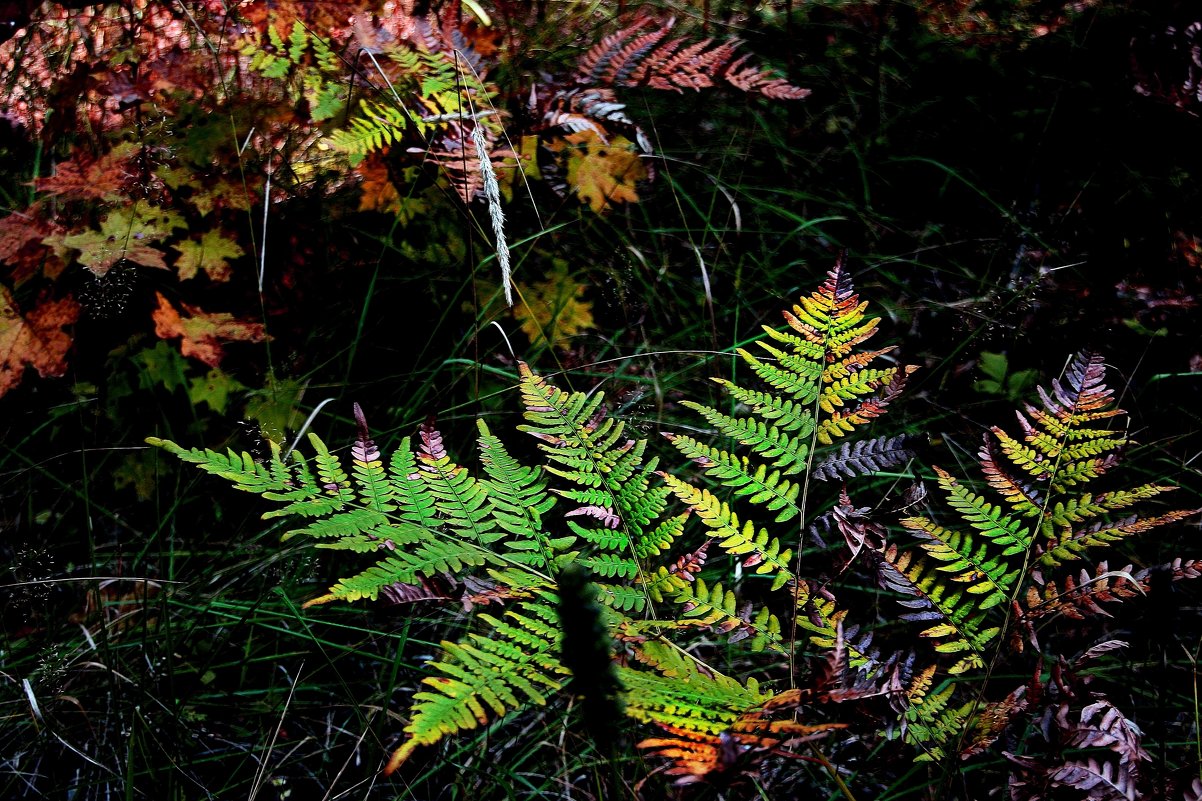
x=617 y=47
x=593 y=108
x=1080 y=597
x=754 y=79
x=642 y=54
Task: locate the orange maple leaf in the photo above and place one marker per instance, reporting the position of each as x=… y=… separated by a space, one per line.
x=203 y=332
x=35 y=339
x=378 y=191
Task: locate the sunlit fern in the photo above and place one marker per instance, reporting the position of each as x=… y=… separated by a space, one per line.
x=986 y=570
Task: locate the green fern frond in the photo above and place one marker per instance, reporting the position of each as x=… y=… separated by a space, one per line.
x=429 y=73
x=460 y=498
x=293 y=484
x=785 y=413
x=240 y=469
x=486 y=677
x=989 y=519
x=687 y=698
x=783 y=450
x=930 y=722
x=776 y=493
x=757 y=549
x=375 y=489
x=519 y=499
x=717 y=607
x=956 y=620
x=363 y=531
x=643 y=504
x=623 y=598
x=306 y=62
x=609 y=565
x=660 y=538
x=430 y=558
x=590 y=450
x=377 y=126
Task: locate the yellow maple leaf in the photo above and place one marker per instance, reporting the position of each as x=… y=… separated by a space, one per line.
x=125 y=233
x=208 y=254
x=602 y=173
x=553 y=310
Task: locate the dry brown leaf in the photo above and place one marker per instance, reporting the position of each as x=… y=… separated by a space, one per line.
x=21 y=247
x=378 y=191
x=35 y=339
x=203 y=332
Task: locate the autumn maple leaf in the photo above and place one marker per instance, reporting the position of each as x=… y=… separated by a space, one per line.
x=86 y=177
x=209 y=253
x=21 y=247
x=203 y=332
x=126 y=234
x=603 y=173
x=35 y=340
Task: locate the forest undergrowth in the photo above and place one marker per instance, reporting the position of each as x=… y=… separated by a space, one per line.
x=485 y=299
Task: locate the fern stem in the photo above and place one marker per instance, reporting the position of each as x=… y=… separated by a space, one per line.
x=833 y=771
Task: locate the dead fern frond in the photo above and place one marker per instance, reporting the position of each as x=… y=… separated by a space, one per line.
x=642 y=54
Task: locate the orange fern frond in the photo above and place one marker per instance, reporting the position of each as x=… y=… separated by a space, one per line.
x=642 y=54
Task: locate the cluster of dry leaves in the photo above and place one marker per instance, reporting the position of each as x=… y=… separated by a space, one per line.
x=170 y=126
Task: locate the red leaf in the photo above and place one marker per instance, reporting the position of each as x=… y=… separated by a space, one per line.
x=84 y=177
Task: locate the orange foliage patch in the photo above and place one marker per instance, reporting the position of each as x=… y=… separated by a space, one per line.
x=202 y=332
x=35 y=339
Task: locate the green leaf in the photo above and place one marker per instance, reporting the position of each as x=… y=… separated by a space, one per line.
x=161 y=365
x=213 y=388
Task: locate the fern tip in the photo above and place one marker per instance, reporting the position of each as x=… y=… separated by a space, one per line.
x=319 y=600
x=399 y=756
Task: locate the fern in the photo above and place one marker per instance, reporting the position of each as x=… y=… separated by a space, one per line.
x=1044 y=513
x=969 y=579
x=822 y=389
x=307 y=64
x=506 y=534
x=378 y=126
x=931 y=720
x=579 y=551
x=642 y=54
x=487 y=676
